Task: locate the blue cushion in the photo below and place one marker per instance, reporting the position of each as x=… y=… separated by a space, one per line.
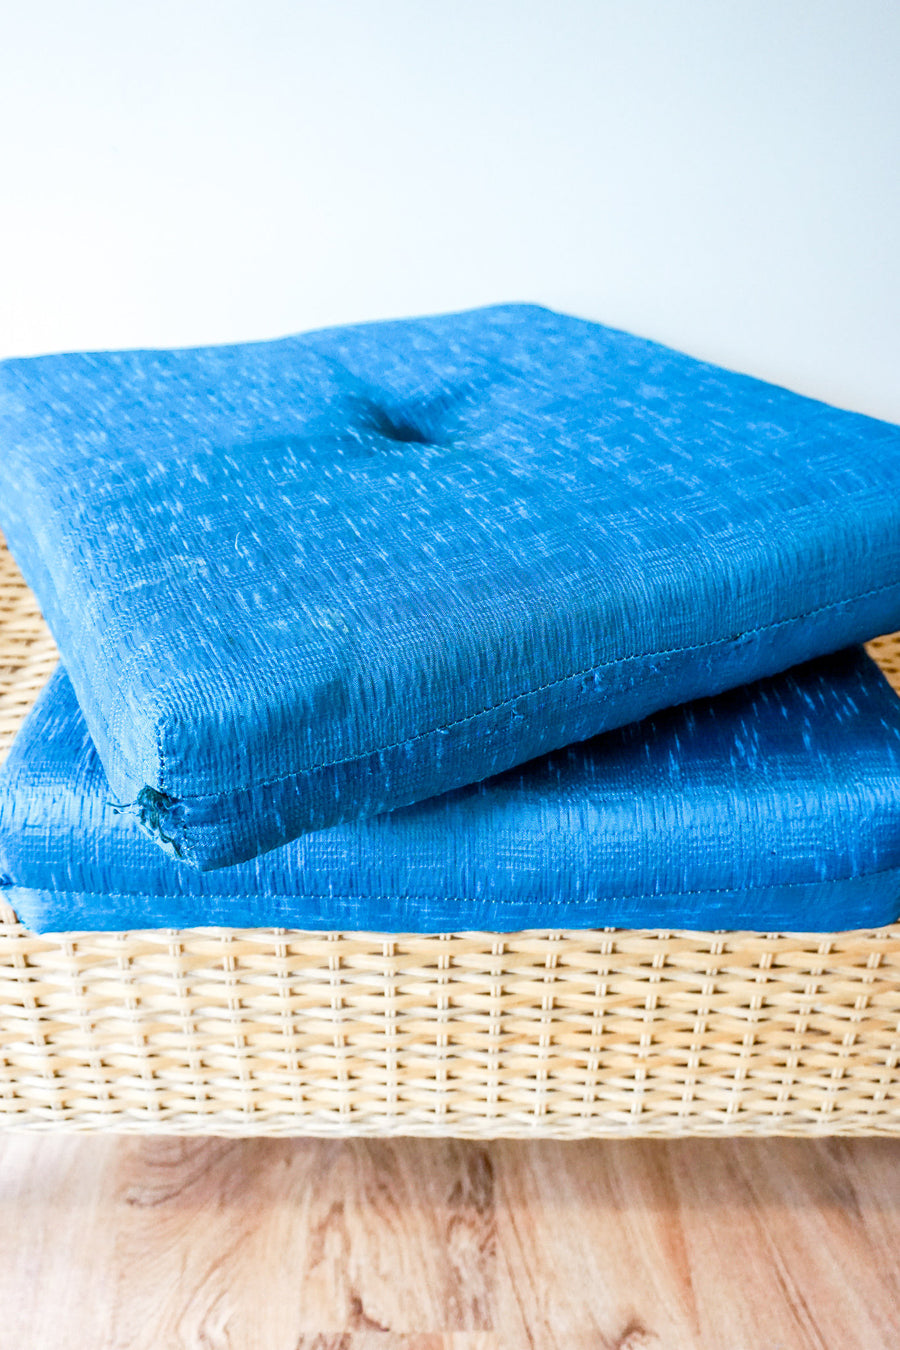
x=774 y=807
x=304 y=581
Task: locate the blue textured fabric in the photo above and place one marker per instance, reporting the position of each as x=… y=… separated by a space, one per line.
x=774 y=807
x=303 y=581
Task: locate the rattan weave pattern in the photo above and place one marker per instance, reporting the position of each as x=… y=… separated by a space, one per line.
x=28 y=653
x=538 y=1034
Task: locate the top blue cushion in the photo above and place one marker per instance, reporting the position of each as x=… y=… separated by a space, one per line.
x=301 y=581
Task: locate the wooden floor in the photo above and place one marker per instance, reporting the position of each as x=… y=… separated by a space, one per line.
x=147 y=1244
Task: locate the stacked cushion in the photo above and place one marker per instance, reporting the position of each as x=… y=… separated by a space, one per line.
x=775 y=807
x=304 y=582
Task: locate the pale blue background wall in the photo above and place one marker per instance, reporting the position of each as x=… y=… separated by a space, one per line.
x=721 y=176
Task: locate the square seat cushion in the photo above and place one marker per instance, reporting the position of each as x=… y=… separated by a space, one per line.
x=305 y=581
x=775 y=807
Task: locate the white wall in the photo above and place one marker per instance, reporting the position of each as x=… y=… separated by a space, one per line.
x=722 y=176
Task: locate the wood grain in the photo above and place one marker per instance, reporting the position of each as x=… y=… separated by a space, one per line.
x=261 y=1244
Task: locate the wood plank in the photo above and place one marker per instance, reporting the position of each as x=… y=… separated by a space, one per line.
x=260 y=1244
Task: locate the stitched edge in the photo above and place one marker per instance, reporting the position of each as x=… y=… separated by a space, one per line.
x=539 y=689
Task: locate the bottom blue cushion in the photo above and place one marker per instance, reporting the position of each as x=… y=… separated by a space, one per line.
x=775 y=807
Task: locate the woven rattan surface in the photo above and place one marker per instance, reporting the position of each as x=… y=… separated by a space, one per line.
x=544 y=1033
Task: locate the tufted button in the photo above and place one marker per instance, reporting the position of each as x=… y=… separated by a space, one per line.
x=398 y=427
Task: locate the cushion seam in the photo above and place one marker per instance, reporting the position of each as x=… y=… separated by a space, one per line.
x=574 y=675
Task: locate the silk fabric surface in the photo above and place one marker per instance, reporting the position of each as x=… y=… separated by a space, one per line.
x=775 y=807
x=300 y=582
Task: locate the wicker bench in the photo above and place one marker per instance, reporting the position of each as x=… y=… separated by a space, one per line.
x=268 y=1031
